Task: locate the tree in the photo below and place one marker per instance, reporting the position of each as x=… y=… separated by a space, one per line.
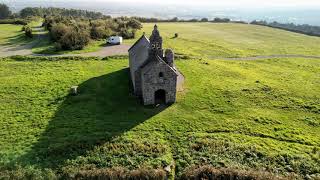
x=28 y=11
x=100 y=32
x=40 y=11
x=59 y=30
x=221 y=20
x=175 y=19
x=127 y=33
x=74 y=40
x=135 y=24
x=204 y=20
x=4 y=11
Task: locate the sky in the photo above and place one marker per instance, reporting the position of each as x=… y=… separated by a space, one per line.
x=231 y=3
x=296 y=11
x=211 y=3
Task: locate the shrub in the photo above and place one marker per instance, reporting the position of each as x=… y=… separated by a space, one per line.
x=74 y=40
x=82 y=25
x=58 y=30
x=28 y=31
x=135 y=24
x=23 y=28
x=127 y=33
x=118 y=173
x=209 y=172
x=100 y=32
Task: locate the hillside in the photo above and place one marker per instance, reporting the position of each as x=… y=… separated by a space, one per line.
x=211 y=40
x=196 y=40
x=250 y=115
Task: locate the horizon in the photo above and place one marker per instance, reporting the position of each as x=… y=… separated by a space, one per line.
x=245 y=4
x=285 y=11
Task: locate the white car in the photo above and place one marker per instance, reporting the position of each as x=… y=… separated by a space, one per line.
x=114 y=40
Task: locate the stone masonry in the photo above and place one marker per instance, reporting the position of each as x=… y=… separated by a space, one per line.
x=153 y=73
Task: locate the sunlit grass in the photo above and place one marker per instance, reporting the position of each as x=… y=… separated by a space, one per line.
x=238 y=114
x=210 y=40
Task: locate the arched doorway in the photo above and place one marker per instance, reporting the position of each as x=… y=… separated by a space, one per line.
x=160 y=96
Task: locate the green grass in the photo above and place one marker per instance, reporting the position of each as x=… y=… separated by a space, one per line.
x=239 y=114
x=210 y=40
x=12 y=35
x=200 y=40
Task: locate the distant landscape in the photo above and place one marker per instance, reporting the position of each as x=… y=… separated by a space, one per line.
x=297 y=15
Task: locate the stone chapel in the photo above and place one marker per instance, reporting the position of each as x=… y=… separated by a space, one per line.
x=155 y=78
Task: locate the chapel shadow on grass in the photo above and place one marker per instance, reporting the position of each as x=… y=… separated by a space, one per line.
x=103 y=109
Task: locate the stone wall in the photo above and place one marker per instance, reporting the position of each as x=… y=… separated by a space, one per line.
x=151 y=82
x=137 y=56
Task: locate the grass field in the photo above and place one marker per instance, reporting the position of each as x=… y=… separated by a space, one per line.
x=198 y=40
x=256 y=115
x=12 y=35
x=210 y=40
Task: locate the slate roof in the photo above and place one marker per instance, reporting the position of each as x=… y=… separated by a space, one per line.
x=142 y=37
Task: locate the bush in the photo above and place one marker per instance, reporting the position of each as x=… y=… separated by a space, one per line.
x=23 y=28
x=100 y=32
x=28 y=31
x=74 y=40
x=127 y=33
x=209 y=172
x=117 y=173
x=58 y=30
x=135 y=24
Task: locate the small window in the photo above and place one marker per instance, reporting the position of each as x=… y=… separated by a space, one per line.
x=161 y=75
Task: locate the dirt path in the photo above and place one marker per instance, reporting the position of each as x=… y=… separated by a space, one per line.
x=23 y=50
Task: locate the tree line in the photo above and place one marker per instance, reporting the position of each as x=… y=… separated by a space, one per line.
x=304 y=29
x=41 y=11
x=6 y=13
x=7 y=17
x=176 y=19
